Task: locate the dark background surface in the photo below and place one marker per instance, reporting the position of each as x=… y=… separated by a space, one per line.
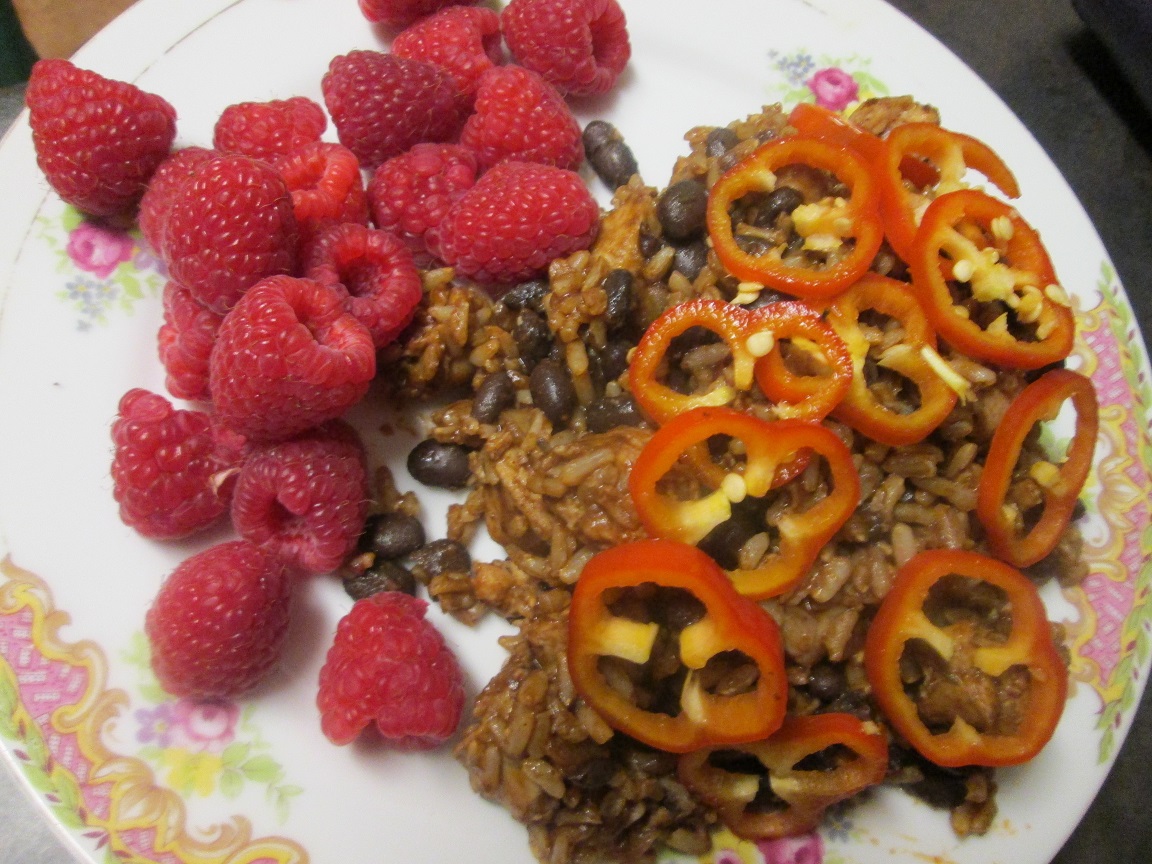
x=1067 y=87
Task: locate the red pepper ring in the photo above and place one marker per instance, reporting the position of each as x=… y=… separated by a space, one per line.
x=731 y=323
x=860 y=408
x=856 y=219
x=952 y=153
x=1039 y=401
x=803 y=397
x=1014 y=270
x=860 y=761
x=730 y=623
x=902 y=619
x=816 y=121
x=767 y=445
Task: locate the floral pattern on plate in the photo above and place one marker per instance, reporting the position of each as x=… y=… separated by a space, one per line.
x=104 y=269
x=55 y=712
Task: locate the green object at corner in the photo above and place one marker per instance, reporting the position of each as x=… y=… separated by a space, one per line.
x=16 y=55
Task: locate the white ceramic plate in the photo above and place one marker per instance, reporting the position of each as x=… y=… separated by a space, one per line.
x=128 y=774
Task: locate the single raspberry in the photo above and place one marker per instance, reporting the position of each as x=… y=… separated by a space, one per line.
x=288 y=357
x=218 y=624
x=382 y=104
x=390 y=665
x=305 y=500
x=580 y=46
x=518 y=218
x=269 y=130
x=410 y=193
x=376 y=273
x=401 y=13
x=327 y=187
x=185 y=342
x=462 y=40
x=168 y=469
x=229 y=225
x=521 y=116
x=97 y=140
x=157 y=200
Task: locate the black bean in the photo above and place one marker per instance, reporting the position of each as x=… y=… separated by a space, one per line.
x=620 y=299
x=781 y=200
x=552 y=390
x=440 y=557
x=681 y=209
x=495 y=393
x=598 y=133
x=690 y=260
x=393 y=535
x=826 y=682
x=381 y=576
x=720 y=141
x=435 y=463
x=724 y=542
x=613 y=359
x=608 y=412
x=526 y=295
x=533 y=338
x=595 y=774
x=649 y=245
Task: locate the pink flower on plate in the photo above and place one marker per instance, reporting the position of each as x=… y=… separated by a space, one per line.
x=805 y=849
x=206 y=726
x=833 y=88
x=97 y=249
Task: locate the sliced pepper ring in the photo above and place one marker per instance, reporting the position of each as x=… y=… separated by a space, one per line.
x=902 y=619
x=768 y=446
x=853 y=222
x=952 y=153
x=913 y=358
x=816 y=121
x=747 y=338
x=800 y=397
x=1039 y=401
x=1011 y=267
x=731 y=623
x=861 y=761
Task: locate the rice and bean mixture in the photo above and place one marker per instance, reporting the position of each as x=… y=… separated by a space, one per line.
x=533 y=415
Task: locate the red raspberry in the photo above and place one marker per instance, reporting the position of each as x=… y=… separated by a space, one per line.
x=219 y=621
x=168 y=468
x=185 y=343
x=288 y=357
x=400 y=13
x=376 y=273
x=229 y=226
x=305 y=500
x=269 y=130
x=580 y=46
x=515 y=221
x=462 y=40
x=382 y=104
x=166 y=180
x=410 y=193
x=521 y=116
x=97 y=141
x=389 y=664
x=326 y=186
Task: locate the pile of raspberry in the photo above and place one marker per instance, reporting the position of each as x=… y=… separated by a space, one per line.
x=292 y=260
